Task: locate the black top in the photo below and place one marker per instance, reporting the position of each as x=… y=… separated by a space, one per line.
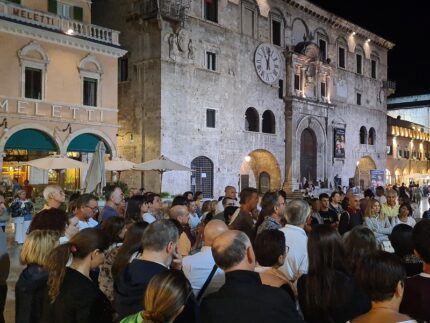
x=354 y=302
x=130 y=286
x=416 y=298
x=29 y=294
x=244 y=299
x=79 y=301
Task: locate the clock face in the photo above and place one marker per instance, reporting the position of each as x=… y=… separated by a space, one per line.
x=268 y=63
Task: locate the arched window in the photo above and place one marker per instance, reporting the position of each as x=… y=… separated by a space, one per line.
x=372 y=136
x=252 y=120
x=264 y=182
x=269 y=125
x=202 y=176
x=363 y=135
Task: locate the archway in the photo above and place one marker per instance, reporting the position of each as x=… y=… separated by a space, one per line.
x=260 y=169
x=362 y=171
x=202 y=176
x=308 y=155
x=24 y=145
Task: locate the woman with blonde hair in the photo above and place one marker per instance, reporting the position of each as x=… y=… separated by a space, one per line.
x=32 y=281
x=72 y=296
x=375 y=220
x=165 y=298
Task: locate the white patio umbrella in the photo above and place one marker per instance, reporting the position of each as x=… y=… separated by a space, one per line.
x=119 y=165
x=55 y=162
x=96 y=176
x=161 y=165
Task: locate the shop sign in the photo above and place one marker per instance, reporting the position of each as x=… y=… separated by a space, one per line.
x=55 y=111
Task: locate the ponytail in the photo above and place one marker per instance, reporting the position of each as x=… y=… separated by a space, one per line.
x=56 y=265
x=80 y=246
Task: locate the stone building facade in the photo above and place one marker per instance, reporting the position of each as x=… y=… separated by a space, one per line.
x=254 y=93
x=58 y=81
x=408 y=154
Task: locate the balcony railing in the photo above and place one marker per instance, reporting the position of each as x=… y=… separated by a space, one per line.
x=389 y=85
x=56 y=23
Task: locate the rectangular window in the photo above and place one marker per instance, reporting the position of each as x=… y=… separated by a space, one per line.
x=323 y=50
x=33 y=83
x=123 y=69
x=66 y=10
x=297 y=82
x=358 y=98
x=248 y=22
x=323 y=90
x=276 y=32
x=90 y=92
x=211 y=61
x=281 y=89
x=210 y=118
x=15 y=1
x=373 y=72
x=341 y=58
x=359 y=60
x=211 y=10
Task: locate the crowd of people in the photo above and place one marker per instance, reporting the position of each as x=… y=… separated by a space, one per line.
x=260 y=258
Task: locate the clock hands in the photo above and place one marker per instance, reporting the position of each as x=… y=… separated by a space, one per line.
x=268 y=58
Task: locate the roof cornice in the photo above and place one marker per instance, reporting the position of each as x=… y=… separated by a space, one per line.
x=337 y=22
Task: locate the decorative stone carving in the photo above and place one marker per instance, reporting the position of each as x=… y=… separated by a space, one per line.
x=190 y=49
x=182 y=40
x=172 y=46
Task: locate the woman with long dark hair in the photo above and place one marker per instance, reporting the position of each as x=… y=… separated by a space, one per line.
x=72 y=296
x=131 y=248
x=137 y=206
x=328 y=293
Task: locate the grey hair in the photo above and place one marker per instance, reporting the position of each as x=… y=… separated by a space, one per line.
x=297 y=212
x=391 y=192
x=50 y=189
x=228 y=256
x=158 y=234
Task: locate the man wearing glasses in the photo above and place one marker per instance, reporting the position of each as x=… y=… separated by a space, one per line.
x=87 y=208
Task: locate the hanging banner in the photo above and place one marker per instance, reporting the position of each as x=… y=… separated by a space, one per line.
x=339 y=143
x=377 y=177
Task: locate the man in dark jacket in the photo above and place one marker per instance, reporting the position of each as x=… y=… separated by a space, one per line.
x=352 y=217
x=160 y=253
x=243 y=221
x=4 y=271
x=244 y=298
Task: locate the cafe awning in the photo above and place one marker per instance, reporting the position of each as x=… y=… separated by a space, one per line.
x=86 y=143
x=31 y=139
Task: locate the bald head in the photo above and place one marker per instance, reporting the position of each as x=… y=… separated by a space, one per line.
x=179 y=213
x=213 y=229
x=232 y=250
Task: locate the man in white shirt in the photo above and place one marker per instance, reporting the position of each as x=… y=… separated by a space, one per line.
x=154 y=206
x=198 y=266
x=229 y=192
x=296 y=240
x=86 y=208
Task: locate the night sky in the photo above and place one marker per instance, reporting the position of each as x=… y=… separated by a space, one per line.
x=406 y=24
